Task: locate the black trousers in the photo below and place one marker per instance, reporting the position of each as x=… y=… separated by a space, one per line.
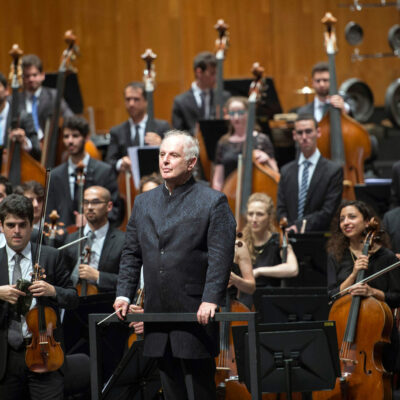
x=21 y=383
x=181 y=377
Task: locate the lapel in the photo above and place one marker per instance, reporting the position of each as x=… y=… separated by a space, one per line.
x=192 y=102
x=127 y=133
x=107 y=247
x=315 y=179
x=294 y=181
x=44 y=102
x=4 y=279
x=62 y=186
x=89 y=178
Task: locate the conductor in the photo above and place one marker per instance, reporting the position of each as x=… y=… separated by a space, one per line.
x=183 y=233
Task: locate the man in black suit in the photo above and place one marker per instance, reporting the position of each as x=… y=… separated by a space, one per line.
x=63 y=188
x=39 y=100
x=320 y=83
x=55 y=290
x=106 y=243
x=137 y=131
x=25 y=133
x=310 y=188
x=198 y=102
x=183 y=233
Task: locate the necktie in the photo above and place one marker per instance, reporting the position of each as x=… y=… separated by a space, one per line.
x=303 y=189
x=89 y=242
x=203 y=108
x=35 y=113
x=136 y=139
x=15 y=337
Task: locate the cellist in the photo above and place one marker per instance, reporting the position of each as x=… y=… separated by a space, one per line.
x=16 y=381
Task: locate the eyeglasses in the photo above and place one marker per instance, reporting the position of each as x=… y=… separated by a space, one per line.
x=238 y=112
x=94 y=203
x=307 y=131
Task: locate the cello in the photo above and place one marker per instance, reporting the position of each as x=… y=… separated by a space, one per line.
x=256 y=177
x=342 y=139
x=17 y=164
x=363 y=325
x=44 y=354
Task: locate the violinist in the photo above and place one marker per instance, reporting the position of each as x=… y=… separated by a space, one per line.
x=345 y=260
x=262 y=240
x=232 y=144
x=310 y=188
x=25 y=133
x=320 y=83
x=137 y=131
x=39 y=100
x=197 y=102
x=64 y=193
x=16 y=381
x=106 y=242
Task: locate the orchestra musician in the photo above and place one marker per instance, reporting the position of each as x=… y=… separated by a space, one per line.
x=35 y=192
x=135 y=131
x=232 y=144
x=197 y=102
x=25 y=133
x=39 y=100
x=345 y=260
x=320 y=83
x=16 y=381
x=262 y=240
x=106 y=242
x=183 y=233
x=63 y=193
x=310 y=188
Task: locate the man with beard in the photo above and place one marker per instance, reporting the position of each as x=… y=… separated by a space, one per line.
x=320 y=83
x=104 y=241
x=64 y=185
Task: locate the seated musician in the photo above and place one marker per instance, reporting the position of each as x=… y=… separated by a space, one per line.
x=262 y=240
x=199 y=101
x=232 y=144
x=137 y=131
x=16 y=381
x=25 y=133
x=64 y=189
x=310 y=188
x=345 y=260
x=38 y=100
x=105 y=243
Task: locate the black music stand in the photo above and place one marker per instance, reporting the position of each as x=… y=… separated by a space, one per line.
x=310 y=251
x=294 y=357
x=212 y=130
x=279 y=305
x=376 y=193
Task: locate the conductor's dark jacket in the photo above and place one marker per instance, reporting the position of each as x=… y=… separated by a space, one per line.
x=186 y=244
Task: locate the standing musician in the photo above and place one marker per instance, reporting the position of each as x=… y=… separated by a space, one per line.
x=345 y=260
x=25 y=133
x=106 y=242
x=232 y=144
x=39 y=100
x=198 y=102
x=183 y=233
x=320 y=83
x=16 y=381
x=135 y=131
x=63 y=189
x=262 y=240
x=310 y=188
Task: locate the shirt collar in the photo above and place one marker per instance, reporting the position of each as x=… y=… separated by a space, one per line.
x=4 y=113
x=142 y=123
x=313 y=159
x=72 y=166
x=100 y=233
x=26 y=252
x=36 y=93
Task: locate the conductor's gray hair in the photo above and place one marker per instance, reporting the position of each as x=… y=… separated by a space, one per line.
x=190 y=144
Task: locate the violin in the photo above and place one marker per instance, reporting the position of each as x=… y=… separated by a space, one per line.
x=83 y=287
x=53 y=228
x=44 y=354
x=133 y=337
x=363 y=326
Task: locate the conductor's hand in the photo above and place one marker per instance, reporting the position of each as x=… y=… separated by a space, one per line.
x=10 y=293
x=206 y=310
x=121 y=306
x=138 y=326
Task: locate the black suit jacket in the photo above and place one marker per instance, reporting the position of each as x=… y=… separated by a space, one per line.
x=185 y=112
x=57 y=275
x=120 y=138
x=307 y=109
x=395 y=186
x=185 y=242
x=323 y=196
x=109 y=258
x=98 y=173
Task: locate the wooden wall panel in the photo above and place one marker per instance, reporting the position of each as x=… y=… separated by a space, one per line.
x=286 y=36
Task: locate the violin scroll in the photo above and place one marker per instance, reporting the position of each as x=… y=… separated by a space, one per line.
x=238 y=242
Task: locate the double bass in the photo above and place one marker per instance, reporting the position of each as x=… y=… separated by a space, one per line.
x=363 y=325
x=342 y=139
x=255 y=177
